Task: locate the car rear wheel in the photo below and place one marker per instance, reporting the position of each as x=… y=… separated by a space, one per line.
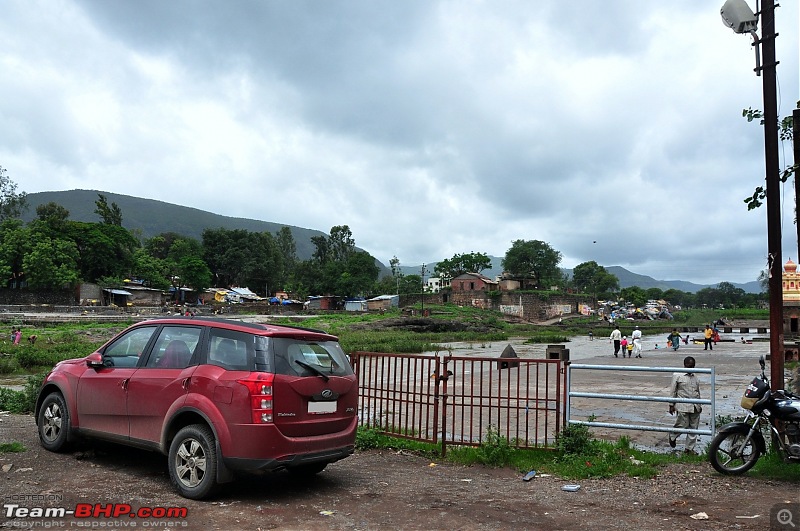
x=193 y=462
x=53 y=423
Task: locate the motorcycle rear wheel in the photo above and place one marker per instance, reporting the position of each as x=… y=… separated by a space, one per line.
x=729 y=454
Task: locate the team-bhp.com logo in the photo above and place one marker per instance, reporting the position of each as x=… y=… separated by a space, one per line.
x=122 y=513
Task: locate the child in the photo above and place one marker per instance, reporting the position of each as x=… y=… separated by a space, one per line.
x=623 y=345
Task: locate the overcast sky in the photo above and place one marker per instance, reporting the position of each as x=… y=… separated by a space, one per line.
x=611 y=130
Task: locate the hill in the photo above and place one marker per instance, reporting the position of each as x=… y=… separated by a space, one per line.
x=149 y=217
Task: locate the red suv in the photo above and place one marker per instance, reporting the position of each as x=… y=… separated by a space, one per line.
x=216 y=396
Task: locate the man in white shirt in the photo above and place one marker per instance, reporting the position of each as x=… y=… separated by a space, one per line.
x=637 y=342
x=616 y=337
x=685 y=385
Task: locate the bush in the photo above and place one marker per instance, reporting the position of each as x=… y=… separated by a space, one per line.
x=22 y=402
x=495 y=449
x=575 y=439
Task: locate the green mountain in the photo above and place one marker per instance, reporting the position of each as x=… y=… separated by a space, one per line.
x=148 y=217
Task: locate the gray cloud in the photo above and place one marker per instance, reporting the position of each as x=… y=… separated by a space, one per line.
x=430 y=128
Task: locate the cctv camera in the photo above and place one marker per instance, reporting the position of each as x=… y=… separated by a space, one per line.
x=738 y=16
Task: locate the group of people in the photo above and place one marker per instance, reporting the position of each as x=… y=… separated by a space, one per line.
x=621 y=343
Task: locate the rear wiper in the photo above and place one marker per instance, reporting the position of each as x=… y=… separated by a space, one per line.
x=312 y=369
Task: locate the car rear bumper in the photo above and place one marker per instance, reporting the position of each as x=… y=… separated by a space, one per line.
x=266 y=465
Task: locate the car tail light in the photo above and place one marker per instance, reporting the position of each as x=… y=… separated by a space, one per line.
x=259 y=385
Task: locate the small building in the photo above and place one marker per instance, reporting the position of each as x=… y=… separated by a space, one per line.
x=791 y=299
x=355 y=305
x=383 y=302
x=142 y=296
x=321 y=302
x=473 y=282
x=117 y=297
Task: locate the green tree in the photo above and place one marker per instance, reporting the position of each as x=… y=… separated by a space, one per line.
x=590 y=277
x=358 y=275
x=53 y=215
x=287 y=257
x=110 y=215
x=50 y=263
x=634 y=295
x=459 y=264
x=151 y=270
x=533 y=259
x=654 y=293
x=104 y=250
x=14 y=241
x=12 y=203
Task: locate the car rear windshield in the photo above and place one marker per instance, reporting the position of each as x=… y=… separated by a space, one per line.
x=297 y=357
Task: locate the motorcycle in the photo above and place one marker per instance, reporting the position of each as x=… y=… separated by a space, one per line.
x=738 y=445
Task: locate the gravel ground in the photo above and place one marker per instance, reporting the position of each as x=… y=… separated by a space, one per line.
x=377 y=490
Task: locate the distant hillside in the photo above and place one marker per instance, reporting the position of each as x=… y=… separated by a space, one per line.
x=153 y=217
x=626 y=278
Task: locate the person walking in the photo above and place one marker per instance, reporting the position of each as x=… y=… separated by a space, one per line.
x=675 y=339
x=623 y=344
x=685 y=385
x=708 y=335
x=637 y=342
x=616 y=338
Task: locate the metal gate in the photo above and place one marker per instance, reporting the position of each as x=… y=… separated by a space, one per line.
x=460 y=400
x=624 y=397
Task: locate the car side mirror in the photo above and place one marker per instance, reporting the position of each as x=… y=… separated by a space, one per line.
x=94 y=360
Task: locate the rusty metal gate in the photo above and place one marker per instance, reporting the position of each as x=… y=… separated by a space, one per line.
x=460 y=400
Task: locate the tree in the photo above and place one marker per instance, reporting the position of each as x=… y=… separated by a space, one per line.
x=12 y=204
x=51 y=263
x=462 y=263
x=533 y=259
x=104 y=250
x=54 y=215
x=634 y=295
x=14 y=240
x=287 y=257
x=110 y=215
x=150 y=269
x=590 y=277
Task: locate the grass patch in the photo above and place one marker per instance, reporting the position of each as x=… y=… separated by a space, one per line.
x=12 y=447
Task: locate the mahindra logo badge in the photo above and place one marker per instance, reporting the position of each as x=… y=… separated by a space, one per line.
x=327 y=393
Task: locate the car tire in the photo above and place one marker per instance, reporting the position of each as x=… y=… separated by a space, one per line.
x=193 y=462
x=53 y=423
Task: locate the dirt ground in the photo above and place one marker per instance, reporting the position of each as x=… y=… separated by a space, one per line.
x=374 y=490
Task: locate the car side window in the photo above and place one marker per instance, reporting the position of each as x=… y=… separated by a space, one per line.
x=126 y=350
x=174 y=347
x=231 y=350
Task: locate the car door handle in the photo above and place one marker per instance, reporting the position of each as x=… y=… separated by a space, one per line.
x=185 y=383
x=124 y=384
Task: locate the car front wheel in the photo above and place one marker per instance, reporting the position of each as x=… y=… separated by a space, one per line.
x=193 y=462
x=53 y=423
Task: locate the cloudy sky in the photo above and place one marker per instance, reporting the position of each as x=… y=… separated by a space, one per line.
x=611 y=129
